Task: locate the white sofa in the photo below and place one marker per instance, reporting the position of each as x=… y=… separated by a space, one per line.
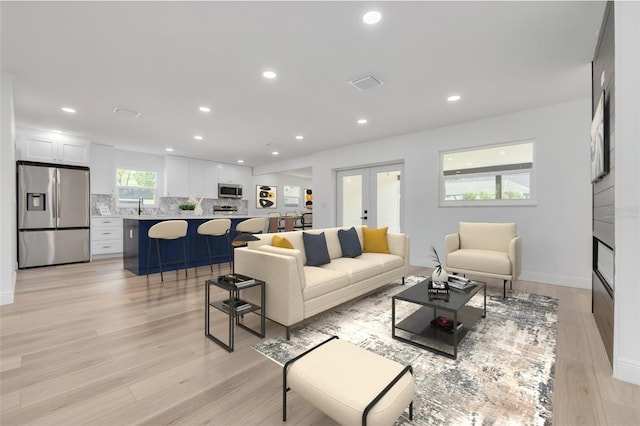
x=486 y=249
x=296 y=291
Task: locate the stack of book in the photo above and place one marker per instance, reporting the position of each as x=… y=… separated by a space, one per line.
x=240 y=281
x=445 y=324
x=438 y=291
x=461 y=283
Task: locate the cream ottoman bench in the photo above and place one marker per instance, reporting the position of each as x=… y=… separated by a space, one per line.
x=349 y=384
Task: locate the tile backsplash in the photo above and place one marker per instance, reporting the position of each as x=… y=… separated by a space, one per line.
x=168 y=205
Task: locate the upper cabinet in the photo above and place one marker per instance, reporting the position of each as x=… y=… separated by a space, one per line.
x=103 y=173
x=176 y=176
x=48 y=147
x=186 y=177
x=230 y=173
x=203 y=178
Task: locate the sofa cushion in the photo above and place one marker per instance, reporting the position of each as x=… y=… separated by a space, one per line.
x=349 y=242
x=388 y=262
x=315 y=247
x=489 y=261
x=321 y=281
x=356 y=269
x=281 y=242
x=375 y=240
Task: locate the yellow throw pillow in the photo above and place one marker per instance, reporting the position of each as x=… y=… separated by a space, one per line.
x=375 y=240
x=281 y=242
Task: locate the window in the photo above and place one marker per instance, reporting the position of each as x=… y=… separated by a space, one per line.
x=136 y=184
x=495 y=175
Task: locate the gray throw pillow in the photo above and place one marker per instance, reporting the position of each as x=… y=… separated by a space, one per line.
x=349 y=242
x=315 y=247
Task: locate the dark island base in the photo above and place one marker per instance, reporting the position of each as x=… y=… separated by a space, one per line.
x=136 y=246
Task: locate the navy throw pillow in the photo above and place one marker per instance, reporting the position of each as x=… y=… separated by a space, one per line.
x=315 y=247
x=349 y=242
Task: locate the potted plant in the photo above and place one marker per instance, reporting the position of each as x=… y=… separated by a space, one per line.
x=186 y=208
x=439 y=274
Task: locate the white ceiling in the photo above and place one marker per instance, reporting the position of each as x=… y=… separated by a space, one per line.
x=165 y=59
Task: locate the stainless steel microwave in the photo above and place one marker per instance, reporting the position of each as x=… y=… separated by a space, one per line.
x=229 y=190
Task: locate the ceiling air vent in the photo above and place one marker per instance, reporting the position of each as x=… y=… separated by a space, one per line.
x=366 y=82
x=127 y=112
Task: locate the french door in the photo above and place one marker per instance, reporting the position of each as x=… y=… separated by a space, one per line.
x=370 y=196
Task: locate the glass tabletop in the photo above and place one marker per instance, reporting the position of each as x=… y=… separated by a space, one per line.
x=457 y=298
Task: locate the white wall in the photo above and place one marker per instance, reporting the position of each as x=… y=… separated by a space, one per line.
x=8 y=250
x=556 y=231
x=626 y=350
x=279 y=180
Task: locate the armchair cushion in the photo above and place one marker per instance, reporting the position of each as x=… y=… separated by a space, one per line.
x=488 y=261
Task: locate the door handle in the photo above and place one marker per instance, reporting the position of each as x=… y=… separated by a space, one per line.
x=363 y=217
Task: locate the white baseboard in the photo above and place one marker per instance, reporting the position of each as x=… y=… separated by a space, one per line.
x=627 y=370
x=6 y=298
x=564 y=280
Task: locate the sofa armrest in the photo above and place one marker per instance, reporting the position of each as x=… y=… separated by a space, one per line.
x=451 y=243
x=281 y=273
x=515 y=256
x=399 y=245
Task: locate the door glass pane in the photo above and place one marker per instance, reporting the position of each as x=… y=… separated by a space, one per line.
x=388 y=200
x=351 y=200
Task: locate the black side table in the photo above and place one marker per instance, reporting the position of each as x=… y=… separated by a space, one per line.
x=234 y=306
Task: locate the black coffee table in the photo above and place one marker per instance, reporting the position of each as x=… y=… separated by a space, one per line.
x=419 y=328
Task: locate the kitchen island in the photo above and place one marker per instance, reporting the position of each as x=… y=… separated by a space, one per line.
x=136 y=243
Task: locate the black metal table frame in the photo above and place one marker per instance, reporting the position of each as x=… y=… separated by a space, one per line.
x=436 y=307
x=234 y=314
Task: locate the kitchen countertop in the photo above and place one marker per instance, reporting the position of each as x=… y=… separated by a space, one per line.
x=190 y=216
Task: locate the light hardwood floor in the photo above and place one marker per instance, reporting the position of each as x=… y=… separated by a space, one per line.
x=94 y=344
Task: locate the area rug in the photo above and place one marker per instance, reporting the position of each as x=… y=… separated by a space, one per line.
x=505 y=366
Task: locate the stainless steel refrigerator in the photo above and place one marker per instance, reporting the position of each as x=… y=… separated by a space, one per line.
x=53 y=214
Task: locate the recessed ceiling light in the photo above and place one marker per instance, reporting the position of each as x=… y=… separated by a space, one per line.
x=56 y=131
x=198 y=137
x=169 y=149
x=205 y=109
x=468 y=164
x=449 y=158
x=372 y=17
x=240 y=161
x=269 y=74
x=275 y=153
x=502 y=153
x=453 y=98
x=299 y=137
x=69 y=110
x=362 y=121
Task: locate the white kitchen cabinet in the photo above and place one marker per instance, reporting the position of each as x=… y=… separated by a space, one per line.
x=106 y=237
x=230 y=173
x=103 y=173
x=176 y=176
x=49 y=147
x=203 y=178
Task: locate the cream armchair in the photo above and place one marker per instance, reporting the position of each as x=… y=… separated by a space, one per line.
x=486 y=249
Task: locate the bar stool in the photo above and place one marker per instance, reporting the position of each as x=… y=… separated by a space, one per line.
x=168 y=230
x=255 y=225
x=212 y=229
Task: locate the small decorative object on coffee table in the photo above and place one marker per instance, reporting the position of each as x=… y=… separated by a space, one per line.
x=439 y=275
x=233 y=306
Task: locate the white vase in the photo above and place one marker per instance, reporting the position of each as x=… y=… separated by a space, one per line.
x=197 y=211
x=441 y=276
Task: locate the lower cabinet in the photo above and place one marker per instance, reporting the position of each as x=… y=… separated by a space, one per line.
x=106 y=237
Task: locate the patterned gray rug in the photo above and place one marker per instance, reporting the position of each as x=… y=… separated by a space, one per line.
x=505 y=366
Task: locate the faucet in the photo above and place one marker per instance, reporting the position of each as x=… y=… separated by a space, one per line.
x=140 y=201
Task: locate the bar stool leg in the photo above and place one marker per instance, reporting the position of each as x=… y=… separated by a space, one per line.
x=206 y=238
x=159 y=259
x=184 y=253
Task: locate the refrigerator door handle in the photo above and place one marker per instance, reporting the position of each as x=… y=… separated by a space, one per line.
x=57 y=197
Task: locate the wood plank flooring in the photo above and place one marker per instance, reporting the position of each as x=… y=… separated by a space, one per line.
x=94 y=344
